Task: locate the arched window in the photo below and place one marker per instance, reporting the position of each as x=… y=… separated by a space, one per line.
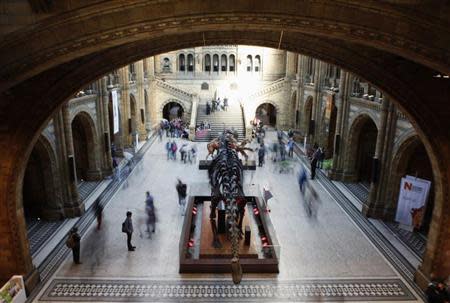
x=232 y=63
x=249 y=63
x=190 y=62
x=309 y=70
x=132 y=72
x=207 y=63
x=182 y=62
x=216 y=63
x=223 y=63
x=257 y=63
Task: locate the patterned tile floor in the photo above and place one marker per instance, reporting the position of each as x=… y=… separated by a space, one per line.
x=315 y=251
x=96 y=290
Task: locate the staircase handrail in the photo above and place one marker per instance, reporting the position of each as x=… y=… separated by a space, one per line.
x=268 y=88
x=173 y=89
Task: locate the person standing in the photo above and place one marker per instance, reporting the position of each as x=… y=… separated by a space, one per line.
x=74 y=243
x=321 y=157
x=127 y=227
x=182 y=193
x=314 y=160
x=150 y=210
x=225 y=104
x=290 y=145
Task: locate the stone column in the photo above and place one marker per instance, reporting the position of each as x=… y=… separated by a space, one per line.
x=77 y=206
x=291 y=61
x=140 y=102
x=125 y=106
x=341 y=104
x=316 y=105
x=104 y=101
x=371 y=208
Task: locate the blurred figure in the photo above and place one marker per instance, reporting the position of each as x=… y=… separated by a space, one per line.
x=302 y=180
x=182 y=193
x=437 y=292
x=261 y=154
x=151 y=214
x=311 y=202
x=99 y=213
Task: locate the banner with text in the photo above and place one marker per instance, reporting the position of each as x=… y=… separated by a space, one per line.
x=411 y=201
x=115 y=108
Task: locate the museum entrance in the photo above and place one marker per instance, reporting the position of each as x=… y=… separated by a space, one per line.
x=267 y=114
x=38 y=184
x=173 y=110
x=83 y=146
x=365 y=150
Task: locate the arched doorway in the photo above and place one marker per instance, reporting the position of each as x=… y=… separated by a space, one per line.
x=39 y=191
x=267 y=114
x=365 y=150
x=173 y=110
x=413 y=160
x=83 y=145
x=307 y=115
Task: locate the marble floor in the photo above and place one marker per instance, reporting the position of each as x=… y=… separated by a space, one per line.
x=323 y=258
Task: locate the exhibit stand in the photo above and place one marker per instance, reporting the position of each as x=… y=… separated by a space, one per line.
x=13 y=291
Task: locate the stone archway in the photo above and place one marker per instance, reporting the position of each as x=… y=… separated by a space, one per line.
x=41 y=190
x=329 y=116
x=266 y=112
x=412 y=159
x=360 y=149
x=85 y=147
x=172 y=109
x=40 y=73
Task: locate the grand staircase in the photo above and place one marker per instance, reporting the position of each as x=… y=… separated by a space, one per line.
x=220 y=120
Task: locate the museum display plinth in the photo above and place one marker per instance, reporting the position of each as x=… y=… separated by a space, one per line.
x=246 y=165
x=198 y=254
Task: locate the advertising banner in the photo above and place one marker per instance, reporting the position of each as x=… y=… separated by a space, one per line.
x=411 y=201
x=115 y=108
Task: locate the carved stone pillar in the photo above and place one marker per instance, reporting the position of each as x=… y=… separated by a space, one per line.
x=372 y=208
x=77 y=206
x=341 y=104
x=140 y=102
x=104 y=101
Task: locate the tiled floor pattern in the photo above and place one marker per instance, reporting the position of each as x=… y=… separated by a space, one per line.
x=413 y=240
x=359 y=190
x=39 y=232
x=85 y=188
x=96 y=290
x=328 y=245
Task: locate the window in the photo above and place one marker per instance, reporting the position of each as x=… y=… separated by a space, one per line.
x=182 y=62
x=223 y=63
x=249 y=63
x=207 y=63
x=257 y=63
x=216 y=63
x=232 y=63
x=132 y=72
x=190 y=60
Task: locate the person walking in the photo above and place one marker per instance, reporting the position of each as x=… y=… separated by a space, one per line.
x=74 y=242
x=99 y=213
x=290 y=145
x=225 y=104
x=182 y=193
x=150 y=211
x=302 y=180
x=261 y=155
x=168 y=149
x=174 y=148
x=127 y=227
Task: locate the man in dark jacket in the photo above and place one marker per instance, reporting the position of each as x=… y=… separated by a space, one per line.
x=437 y=293
x=76 y=245
x=129 y=231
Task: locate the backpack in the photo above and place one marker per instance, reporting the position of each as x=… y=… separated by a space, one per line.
x=174 y=148
x=124 y=227
x=70 y=243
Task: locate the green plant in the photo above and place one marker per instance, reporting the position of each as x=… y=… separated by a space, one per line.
x=328 y=164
